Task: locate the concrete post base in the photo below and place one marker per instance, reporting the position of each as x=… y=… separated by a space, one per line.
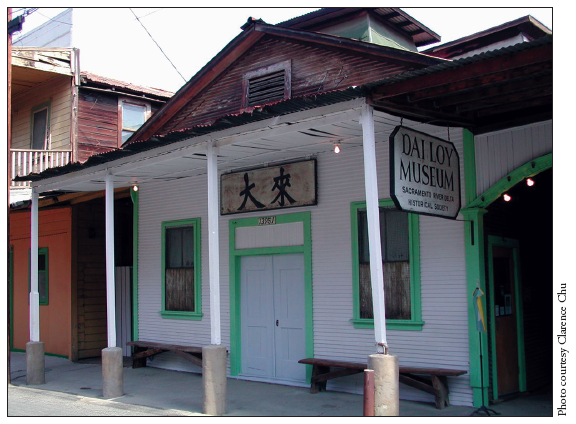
x=112 y=372
x=386 y=385
x=214 y=379
x=35 y=363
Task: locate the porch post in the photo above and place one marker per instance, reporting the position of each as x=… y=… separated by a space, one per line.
x=476 y=277
x=213 y=245
x=214 y=356
x=385 y=366
x=110 y=284
x=112 y=360
x=34 y=348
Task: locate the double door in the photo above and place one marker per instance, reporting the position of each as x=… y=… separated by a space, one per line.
x=273 y=335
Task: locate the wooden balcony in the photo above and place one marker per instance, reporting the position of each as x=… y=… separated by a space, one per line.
x=26 y=162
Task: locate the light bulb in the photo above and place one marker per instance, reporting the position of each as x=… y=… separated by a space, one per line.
x=507 y=197
x=529 y=182
x=336 y=148
x=135 y=188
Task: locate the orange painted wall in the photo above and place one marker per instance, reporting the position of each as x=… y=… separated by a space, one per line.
x=55 y=233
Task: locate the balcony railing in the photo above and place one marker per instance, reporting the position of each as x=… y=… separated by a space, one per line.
x=26 y=162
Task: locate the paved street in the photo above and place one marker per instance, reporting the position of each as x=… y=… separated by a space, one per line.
x=26 y=401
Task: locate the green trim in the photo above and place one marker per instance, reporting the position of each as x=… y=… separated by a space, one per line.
x=529 y=169
x=197 y=314
x=35 y=109
x=415 y=323
x=475 y=277
x=11 y=265
x=235 y=294
x=513 y=244
x=41 y=251
x=469 y=166
x=57 y=355
x=135 y=195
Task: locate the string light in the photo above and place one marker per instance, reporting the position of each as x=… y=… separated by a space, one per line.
x=507 y=197
x=135 y=187
x=336 y=148
x=529 y=182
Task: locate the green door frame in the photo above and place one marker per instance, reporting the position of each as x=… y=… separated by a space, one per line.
x=11 y=282
x=235 y=294
x=512 y=244
x=474 y=249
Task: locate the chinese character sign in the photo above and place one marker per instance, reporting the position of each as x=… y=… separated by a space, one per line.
x=274 y=187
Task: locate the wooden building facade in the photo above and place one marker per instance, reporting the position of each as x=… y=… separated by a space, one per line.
x=291 y=93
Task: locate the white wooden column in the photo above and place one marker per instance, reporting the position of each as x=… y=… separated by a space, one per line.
x=373 y=217
x=110 y=283
x=213 y=244
x=34 y=295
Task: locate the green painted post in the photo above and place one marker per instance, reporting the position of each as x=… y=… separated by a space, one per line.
x=476 y=277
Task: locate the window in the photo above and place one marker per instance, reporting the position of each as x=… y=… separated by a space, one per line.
x=181 y=264
x=40 y=127
x=133 y=114
x=399 y=233
x=267 y=85
x=42 y=275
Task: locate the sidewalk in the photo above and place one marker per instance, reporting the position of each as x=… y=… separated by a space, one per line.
x=182 y=393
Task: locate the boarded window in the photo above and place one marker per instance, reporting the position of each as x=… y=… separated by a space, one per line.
x=179 y=269
x=394 y=234
x=40 y=129
x=267 y=85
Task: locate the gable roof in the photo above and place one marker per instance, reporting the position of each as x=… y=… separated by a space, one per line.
x=528 y=26
x=254 y=30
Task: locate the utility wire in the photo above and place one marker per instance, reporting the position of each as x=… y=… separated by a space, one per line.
x=158 y=46
x=148 y=14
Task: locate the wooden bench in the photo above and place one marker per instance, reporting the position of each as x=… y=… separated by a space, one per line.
x=436 y=382
x=143 y=350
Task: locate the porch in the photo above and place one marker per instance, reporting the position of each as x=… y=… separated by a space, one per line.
x=182 y=392
x=26 y=161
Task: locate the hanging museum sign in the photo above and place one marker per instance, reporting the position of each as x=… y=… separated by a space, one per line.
x=274 y=187
x=424 y=173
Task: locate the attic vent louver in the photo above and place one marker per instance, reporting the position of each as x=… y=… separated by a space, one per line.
x=267 y=85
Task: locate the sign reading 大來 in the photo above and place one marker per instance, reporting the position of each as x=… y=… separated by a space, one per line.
x=272 y=187
x=424 y=173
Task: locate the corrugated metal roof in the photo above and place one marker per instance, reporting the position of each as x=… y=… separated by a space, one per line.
x=278 y=109
x=271 y=110
x=462 y=62
x=90 y=77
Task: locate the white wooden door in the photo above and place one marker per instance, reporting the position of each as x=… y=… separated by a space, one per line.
x=273 y=317
x=257 y=316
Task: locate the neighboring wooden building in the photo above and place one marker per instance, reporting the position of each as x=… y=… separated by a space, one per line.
x=293 y=281
x=62 y=116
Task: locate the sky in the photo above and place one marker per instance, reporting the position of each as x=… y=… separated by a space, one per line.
x=114 y=44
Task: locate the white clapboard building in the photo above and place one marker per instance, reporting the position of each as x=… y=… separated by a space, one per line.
x=259 y=185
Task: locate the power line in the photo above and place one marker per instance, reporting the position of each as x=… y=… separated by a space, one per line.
x=158 y=45
x=148 y=14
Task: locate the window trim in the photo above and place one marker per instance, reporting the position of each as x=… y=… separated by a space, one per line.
x=33 y=111
x=41 y=251
x=415 y=323
x=128 y=100
x=197 y=314
x=285 y=65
